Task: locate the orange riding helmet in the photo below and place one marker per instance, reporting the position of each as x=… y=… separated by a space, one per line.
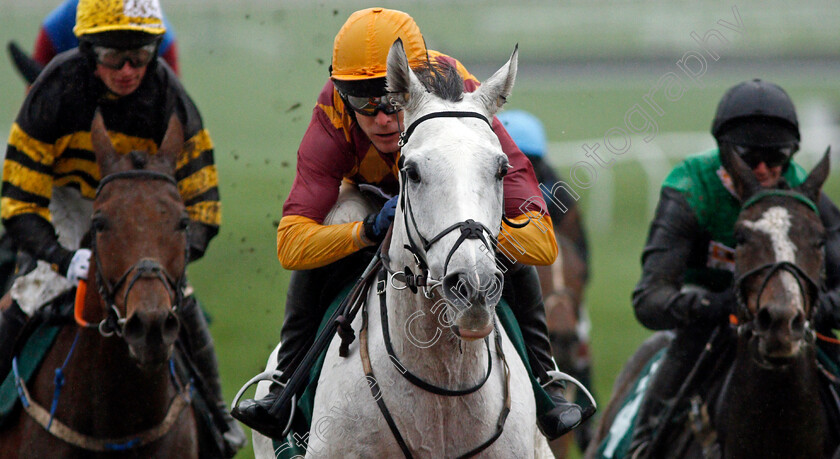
x=360 y=51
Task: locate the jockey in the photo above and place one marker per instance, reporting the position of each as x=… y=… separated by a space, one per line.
x=570 y=345
x=56 y=36
x=353 y=137
x=50 y=174
x=687 y=264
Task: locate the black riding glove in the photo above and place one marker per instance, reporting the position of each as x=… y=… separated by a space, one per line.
x=714 y=307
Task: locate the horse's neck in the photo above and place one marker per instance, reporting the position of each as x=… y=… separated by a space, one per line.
x=428 y=348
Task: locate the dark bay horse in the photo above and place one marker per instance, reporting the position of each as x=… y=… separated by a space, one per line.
x=760 y=393
x=120 y=397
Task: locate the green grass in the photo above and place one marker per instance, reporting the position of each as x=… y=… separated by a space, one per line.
x=254 y=71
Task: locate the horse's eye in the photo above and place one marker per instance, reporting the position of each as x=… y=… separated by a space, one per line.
x=183 y=223
x=99 y=223
x=503 y=170
x=411 y=173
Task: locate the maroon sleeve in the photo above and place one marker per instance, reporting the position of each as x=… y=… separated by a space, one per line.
x=323 y=158
x=171 y=58
x=44 y=50
x=522 y=192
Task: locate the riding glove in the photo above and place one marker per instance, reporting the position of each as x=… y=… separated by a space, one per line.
x=714 y=307
x=79 y=266
x=376 y=225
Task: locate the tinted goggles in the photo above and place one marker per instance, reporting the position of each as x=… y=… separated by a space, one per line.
x=370 y=106
x=771 y=157
x=114 y=58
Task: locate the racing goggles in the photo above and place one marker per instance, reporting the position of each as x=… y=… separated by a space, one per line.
x=770 y=156
x=370 y=106
x=114 y=58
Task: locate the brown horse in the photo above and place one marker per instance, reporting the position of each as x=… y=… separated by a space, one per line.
x=120 y=398
x=759 y=395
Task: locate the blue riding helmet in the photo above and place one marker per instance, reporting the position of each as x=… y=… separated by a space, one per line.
x=526 y=130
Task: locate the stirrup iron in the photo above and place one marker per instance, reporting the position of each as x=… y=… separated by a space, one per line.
x=273 y=376
x=557 y=375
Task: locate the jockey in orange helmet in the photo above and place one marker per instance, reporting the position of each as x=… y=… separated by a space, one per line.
x=353 y=137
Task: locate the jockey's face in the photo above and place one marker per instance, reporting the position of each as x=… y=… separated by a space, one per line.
x=767 y=176
x=382 y=130
x=122 y=81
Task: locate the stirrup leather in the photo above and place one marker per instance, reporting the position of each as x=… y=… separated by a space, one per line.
x=273 y=376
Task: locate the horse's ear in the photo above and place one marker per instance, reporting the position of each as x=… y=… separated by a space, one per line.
x=743 y=178
x=812 y=185
x=493 y=93
x=399 y=77
x=103 y=149
x=173 y=141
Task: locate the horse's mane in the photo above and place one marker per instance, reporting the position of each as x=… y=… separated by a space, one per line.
x=441 y=79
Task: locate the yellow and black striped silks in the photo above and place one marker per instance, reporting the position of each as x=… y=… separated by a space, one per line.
x=49 y=143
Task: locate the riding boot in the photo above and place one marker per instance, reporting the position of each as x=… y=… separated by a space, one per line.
x=12 y=321
x=672 y=372
x=523 y=294
x=308 y=297
x=203 y=354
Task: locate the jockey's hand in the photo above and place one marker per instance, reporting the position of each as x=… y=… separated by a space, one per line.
x=825 y=316
x=715 y=307
x=376 y=225
x=79 y=266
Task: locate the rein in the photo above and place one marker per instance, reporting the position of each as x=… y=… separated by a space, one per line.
x=376 y=391
x=58 y=429
x=411 y=377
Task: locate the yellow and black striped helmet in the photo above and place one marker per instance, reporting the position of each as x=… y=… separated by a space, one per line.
x=140 y=19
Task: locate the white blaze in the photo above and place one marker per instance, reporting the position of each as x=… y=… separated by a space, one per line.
x=775 y=222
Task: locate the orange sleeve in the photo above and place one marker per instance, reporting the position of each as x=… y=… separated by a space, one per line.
x=533 y=244
x=303 y=243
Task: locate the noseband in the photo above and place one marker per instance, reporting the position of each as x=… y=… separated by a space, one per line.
x=114 y=323
x=470 y=229
x=808 y=287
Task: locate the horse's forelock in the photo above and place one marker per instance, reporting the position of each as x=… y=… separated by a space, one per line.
x=442 y=80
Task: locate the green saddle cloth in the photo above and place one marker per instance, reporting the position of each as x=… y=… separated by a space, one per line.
x=28 y=360
x=294 y=445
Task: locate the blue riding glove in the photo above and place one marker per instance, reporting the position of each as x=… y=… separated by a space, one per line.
x=377 y=224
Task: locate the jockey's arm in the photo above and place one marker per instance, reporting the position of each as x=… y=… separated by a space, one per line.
x=658 y=299
x=828 y=312
x=303 y=241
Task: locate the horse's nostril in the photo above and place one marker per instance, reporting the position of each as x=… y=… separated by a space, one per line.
x=170 y=328
x=764 y=319
x=797 y=324
x=134 y=329
x=457 y=289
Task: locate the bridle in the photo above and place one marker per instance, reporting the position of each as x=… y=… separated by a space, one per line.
x=469 y=229
x=113 y=322
x=110 y=325
x=808 y=287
